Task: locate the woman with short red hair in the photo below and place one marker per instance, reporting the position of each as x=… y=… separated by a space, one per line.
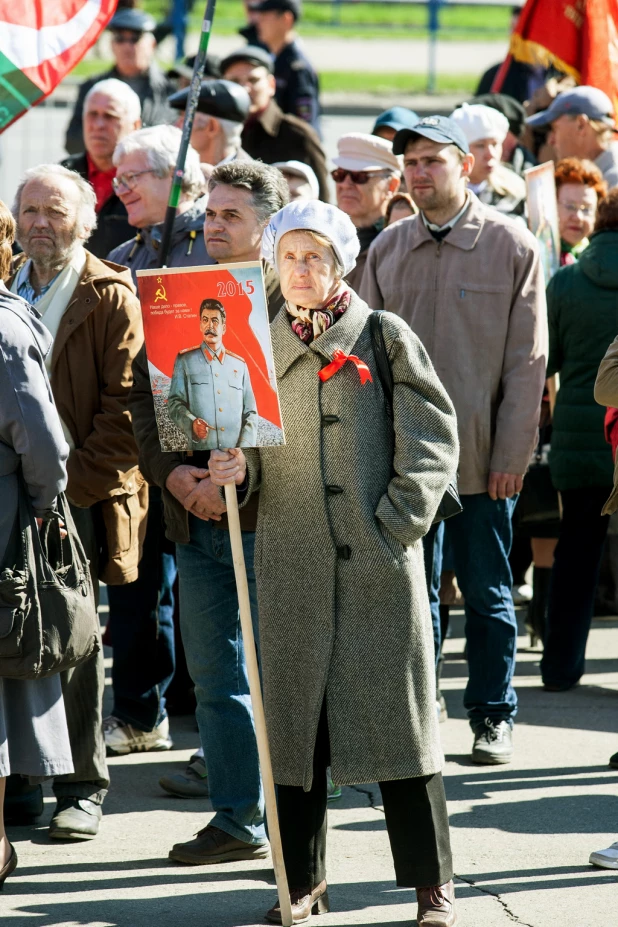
x=579 y=187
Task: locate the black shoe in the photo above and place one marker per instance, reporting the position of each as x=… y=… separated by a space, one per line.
x=75 y=819
x=23 y=803
x=613 y=761
x=9 y=867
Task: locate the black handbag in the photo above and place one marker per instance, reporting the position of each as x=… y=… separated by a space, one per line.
x=538 y=501
x=451 y=503
x=48 y=617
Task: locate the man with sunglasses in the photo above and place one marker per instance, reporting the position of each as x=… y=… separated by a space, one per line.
x=366 y=176
x=133 y=48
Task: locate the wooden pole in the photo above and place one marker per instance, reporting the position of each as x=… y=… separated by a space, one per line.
x=255 y=689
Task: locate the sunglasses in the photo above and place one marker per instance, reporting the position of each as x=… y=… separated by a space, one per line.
x=128 y=181
x=359 y=177
x=126 y=39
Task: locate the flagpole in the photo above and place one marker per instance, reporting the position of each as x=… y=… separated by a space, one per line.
x=187 y=126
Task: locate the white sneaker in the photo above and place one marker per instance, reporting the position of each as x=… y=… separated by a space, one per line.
x=607 y=859
x=122 y=738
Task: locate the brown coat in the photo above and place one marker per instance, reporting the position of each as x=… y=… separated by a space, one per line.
x=99 y=335
x=477 y=302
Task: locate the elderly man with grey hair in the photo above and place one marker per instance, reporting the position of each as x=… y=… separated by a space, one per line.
x=145 y=161
x=90 y=308
x=243 y=196
x=111 y=111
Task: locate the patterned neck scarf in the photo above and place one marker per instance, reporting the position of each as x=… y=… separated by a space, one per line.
x=311 y=323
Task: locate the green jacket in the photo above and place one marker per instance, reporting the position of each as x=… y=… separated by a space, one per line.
x=582 y=302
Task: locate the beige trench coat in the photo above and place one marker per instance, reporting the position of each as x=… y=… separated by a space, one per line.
x=477 y=302
x=339 y=559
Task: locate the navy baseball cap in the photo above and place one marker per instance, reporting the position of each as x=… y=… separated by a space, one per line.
x=436 y=129
x=133 y=20
x=584 y=101
x=397 y=117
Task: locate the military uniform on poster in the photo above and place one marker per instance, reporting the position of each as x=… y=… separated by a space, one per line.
x=217 y=389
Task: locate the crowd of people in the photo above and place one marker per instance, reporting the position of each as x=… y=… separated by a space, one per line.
x=493 y=371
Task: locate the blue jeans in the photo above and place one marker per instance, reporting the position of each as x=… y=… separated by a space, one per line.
x=210 y=626
x=142 y=622
x=480 y=540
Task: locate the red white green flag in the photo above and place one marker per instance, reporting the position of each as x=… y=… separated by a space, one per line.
x=40 y=42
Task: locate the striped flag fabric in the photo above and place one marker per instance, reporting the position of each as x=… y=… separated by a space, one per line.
x=40 y=42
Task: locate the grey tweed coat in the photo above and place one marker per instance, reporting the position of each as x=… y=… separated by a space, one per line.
x=343 y=604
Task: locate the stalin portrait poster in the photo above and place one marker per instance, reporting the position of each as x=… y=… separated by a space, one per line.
x=210 y=357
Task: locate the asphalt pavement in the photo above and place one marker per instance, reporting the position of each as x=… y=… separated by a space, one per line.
x=521 y=834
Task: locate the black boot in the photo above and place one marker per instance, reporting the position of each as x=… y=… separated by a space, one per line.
x=537 y=608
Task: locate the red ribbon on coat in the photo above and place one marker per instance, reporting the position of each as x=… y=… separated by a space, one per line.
x=339 y=359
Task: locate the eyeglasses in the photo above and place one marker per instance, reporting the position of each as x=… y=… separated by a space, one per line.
x=359 y=177
x=586 y=211
x=128 y=181
x=127 y=39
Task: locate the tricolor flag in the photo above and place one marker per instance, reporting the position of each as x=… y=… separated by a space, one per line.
x=40 y=42
x=579 y=37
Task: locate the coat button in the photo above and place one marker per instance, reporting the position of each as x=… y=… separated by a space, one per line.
x=220 y=410
x=330 y=419
x=222 y=429
x=344 y=553
x=334 y=490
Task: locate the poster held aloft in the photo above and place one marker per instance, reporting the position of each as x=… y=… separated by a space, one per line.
x=543 y=215
x=214 y=385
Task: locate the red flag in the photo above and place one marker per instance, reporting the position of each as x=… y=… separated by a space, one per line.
x=579 y=37
x=40 y=42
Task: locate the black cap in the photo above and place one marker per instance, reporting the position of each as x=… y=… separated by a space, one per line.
x=508 y=106
x=185 y=68
x=436 y=129
x=133 y=20
x=251 y=53
x=220 y=98
x=263 y=6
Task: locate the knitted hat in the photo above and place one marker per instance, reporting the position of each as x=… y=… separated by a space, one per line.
x=314 y=216
x=477 y=121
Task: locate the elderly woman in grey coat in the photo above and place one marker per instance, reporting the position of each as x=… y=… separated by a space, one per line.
x=34 y=739
x=345 y=631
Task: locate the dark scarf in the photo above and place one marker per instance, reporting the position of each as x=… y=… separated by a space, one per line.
x=311 y=323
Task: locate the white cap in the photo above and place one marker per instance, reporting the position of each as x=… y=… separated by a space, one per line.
x=477 y=121
x=360 y=152
x=299 y=169
x=315 y=216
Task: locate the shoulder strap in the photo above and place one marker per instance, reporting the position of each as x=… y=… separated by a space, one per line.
x=381 y=357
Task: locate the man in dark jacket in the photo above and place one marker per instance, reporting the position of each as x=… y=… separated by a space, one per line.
x=298 y=88
x=133 y=48
x=243 y=196
x=270 y=135
x=111 y=111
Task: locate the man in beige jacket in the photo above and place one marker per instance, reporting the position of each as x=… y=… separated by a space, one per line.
x=469 y=283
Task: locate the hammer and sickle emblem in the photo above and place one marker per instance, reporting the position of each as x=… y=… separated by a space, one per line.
x=160 y=293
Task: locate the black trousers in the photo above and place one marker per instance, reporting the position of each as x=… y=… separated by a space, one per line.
x=416 y=820
x=573 y=583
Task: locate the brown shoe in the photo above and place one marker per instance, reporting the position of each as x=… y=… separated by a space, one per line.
x=212 y=845
x=304 y=904
x=436 y=906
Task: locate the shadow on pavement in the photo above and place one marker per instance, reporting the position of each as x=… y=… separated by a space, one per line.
x=488 y=781
x=568 y=814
